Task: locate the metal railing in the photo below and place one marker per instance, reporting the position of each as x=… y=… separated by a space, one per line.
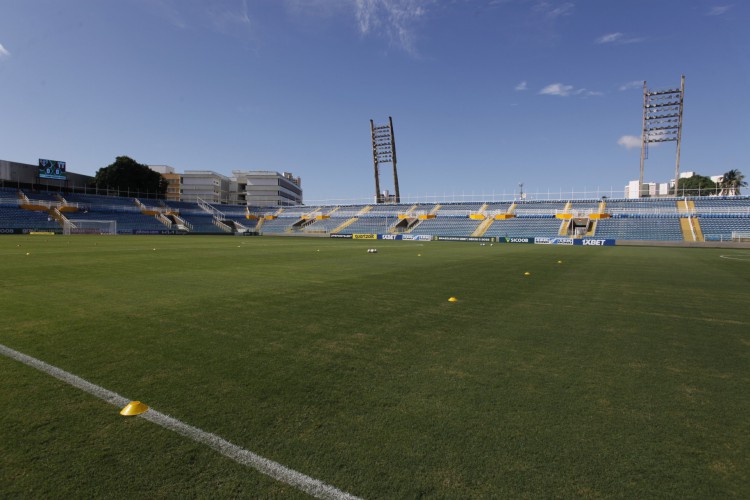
x=210 y=209
x=44 y=203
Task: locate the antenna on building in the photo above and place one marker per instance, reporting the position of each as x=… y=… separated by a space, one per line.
x=662 y=122
x=384 y=151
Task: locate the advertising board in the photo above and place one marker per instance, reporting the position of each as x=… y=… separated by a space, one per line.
x=472 y=239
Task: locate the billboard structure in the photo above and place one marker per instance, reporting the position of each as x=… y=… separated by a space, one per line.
x=52 y=169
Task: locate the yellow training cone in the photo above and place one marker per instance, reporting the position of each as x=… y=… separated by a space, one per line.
x=453 y=299
x=527 y=273
x=134 y=408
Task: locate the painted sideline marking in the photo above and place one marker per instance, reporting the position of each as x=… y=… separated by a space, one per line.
x=268 y=467
x=742 y=256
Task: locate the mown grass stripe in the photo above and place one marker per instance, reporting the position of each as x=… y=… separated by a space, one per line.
x=240 y=455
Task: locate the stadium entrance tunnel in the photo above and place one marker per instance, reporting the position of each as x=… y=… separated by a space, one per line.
x=405 y=224
x=302 y=223
x=234 y=226
x=579 y=227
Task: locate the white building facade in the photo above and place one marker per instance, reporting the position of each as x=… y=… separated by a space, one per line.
x=263 y=188
x=206 y=185
x=653 y=189
x=256 y=188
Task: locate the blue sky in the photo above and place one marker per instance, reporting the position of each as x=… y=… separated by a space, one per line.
x=484 y=94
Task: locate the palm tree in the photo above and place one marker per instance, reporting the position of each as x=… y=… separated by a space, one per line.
x=731 y=182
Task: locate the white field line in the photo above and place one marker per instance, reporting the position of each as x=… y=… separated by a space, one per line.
x=745 y=257
x=268 y=467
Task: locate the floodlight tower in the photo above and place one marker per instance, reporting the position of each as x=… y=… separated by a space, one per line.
x=662 y=122
x=384 y=151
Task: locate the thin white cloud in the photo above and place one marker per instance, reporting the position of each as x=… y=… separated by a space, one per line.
x=587 y=92
x=618 y=38
x=3 y=52
x=562 y=90
x=395 y=17
x=228 y=20
x=718 y=10
x=522 y=86
x=557 y=89
x=635 y=84
x=366 y=16
x=629 y=141
x=553 y=10
x=609 y=38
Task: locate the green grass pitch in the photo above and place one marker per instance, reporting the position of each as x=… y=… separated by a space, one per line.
x=619 y=372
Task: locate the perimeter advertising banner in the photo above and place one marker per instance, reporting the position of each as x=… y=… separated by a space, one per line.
x=553 y=241
x=508 y=239
x=26 y=230
x=557 y=241
x=595 y=242
x=479 y=239
x=150 y=231
x=473 y=239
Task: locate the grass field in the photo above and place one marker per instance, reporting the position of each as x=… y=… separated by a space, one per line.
x=617 y=372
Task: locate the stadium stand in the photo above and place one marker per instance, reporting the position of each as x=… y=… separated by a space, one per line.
x=325 y=225
x=715 y=218
x=8 y=199
x=591 y=206
x=721 y=218
x=529 y=226
x=447 y=226
x=184 y=207
x=105 y=204
x=298 y=212
x=278 y=225
x=42 y=196
x=126 y=222
x=202 y=222
x=653 y=206
x=723 y=227
x=347 y=211
x=499 y=208
x=392 y=210
x=14 y=217
x=644 y=227
x=457 y=209
x=723 y=202
x=372 y=224
x=539 y=207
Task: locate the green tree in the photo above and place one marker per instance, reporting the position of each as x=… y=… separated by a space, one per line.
x=697 y=185
x=127 y=175
x=731 y=182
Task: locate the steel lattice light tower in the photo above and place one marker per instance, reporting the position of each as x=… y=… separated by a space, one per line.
x=662 y=122
x=384 y=151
